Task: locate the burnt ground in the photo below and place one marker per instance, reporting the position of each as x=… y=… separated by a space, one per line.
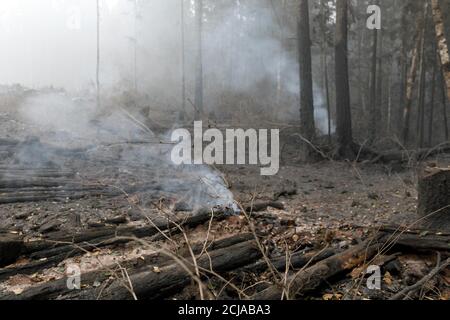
x=49 y=189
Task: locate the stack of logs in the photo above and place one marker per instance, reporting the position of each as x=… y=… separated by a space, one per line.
x=237 y=254
x=21 y=185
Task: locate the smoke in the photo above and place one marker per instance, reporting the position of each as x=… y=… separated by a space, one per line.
x=321 y=113
x=256 y=62
x=250 y=69
x=115 y=141
x=249 y=53
x=58 y=113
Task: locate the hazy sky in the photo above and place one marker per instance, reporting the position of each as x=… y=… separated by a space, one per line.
x=53 y=42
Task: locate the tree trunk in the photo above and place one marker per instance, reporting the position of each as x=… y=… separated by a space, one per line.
x=379 y=97
x=373 y=89
x=97 y=76
x=389 y=103
x=306 y=87
x=135 y=58
x=421 y=102
x=343 y=108
x=327 y=92
x=444 y=109
x=199 y=63
x=183 y=64
x=323 y=49
x=404 y=66
x=431 y=115
x=412 y=78
x=444 y=60
x=442 y=43
x=361 y=74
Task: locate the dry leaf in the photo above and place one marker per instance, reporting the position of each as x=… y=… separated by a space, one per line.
x=134 y=200
x=328 y=296
x=387 y=279
x=357 y=272
x=17 y=291
x=332 y=296
x=156 y=270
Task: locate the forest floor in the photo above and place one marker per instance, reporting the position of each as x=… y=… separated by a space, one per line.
x=323 y=205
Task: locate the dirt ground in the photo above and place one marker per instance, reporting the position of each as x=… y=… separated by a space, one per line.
x=323 y=204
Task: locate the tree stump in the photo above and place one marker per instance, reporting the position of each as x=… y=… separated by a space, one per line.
x=10 y=249
x=434 y=198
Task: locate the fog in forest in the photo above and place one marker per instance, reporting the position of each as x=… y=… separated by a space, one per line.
x=224 y=150
x=248 y=54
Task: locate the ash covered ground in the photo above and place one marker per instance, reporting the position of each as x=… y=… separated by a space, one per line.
x=66 y=178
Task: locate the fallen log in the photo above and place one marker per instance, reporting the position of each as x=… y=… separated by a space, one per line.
x=261 y=206
x=29 y=183
x=63 y=195
x=22 y=174
x=408 y=155
x=294 y=262
x=399 y=238
x=8 y=142
x=59 y=196
x=284 y=193
x=414 y=231
x=34 y=143
x=419 y=242
x=390 y=240
x=50 y=252
x=20 y=192
x=58 y=288
x=151 y=285
x=17 y=168
x=157 y=225
x=55 y=196
x=313 y=277
x=33 y=267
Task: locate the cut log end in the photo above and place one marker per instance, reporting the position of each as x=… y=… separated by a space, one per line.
x=434 y=198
